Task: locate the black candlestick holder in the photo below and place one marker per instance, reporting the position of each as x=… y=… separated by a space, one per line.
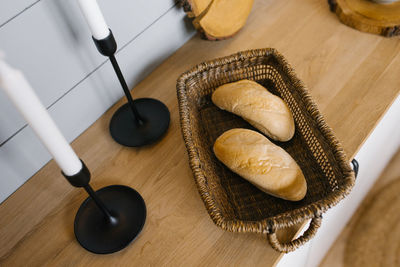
x=110 y=218
x=139 y=122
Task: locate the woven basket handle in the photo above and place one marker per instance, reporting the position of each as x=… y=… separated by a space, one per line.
x=356 y=166
x=296 y=243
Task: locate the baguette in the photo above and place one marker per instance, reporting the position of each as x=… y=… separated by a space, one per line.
x=264 y=164
x=262 y=109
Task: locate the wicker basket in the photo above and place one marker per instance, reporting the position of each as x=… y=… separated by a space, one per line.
x=233 y=203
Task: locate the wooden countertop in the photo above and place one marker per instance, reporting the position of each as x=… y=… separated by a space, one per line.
x=353 y=76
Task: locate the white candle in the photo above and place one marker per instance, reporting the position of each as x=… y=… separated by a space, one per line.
x=24 y=98
x=92 y=13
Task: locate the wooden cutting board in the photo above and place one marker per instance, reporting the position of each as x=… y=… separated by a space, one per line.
x=368 y=16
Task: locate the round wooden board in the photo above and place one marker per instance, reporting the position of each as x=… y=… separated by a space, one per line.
x=374 y=240
x=368 y=16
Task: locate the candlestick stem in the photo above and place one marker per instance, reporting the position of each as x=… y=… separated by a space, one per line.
x=112 y=219
x=138 y=118
x=141 y=121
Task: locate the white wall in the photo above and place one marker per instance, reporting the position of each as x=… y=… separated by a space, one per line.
x=50 y=42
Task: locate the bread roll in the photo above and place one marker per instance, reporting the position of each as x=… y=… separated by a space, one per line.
x=262 y=163
x=265 y=111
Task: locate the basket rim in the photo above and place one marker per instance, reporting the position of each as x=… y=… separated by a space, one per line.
x=278 y=221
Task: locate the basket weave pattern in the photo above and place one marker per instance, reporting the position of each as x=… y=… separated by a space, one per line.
x=233 y=203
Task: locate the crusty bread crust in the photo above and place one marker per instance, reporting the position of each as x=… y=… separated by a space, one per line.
x=264 y=164
x=262 y=109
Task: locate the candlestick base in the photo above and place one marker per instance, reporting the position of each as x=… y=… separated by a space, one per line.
x=126 y=131
x=102 y=236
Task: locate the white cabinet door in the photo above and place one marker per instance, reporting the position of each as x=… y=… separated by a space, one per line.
x=373 y=157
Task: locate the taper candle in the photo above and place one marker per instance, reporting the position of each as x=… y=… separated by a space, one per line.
x=139 y=122
x=94 y=18
x=19 y=91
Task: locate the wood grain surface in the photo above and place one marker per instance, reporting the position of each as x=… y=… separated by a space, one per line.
x=352 y=76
